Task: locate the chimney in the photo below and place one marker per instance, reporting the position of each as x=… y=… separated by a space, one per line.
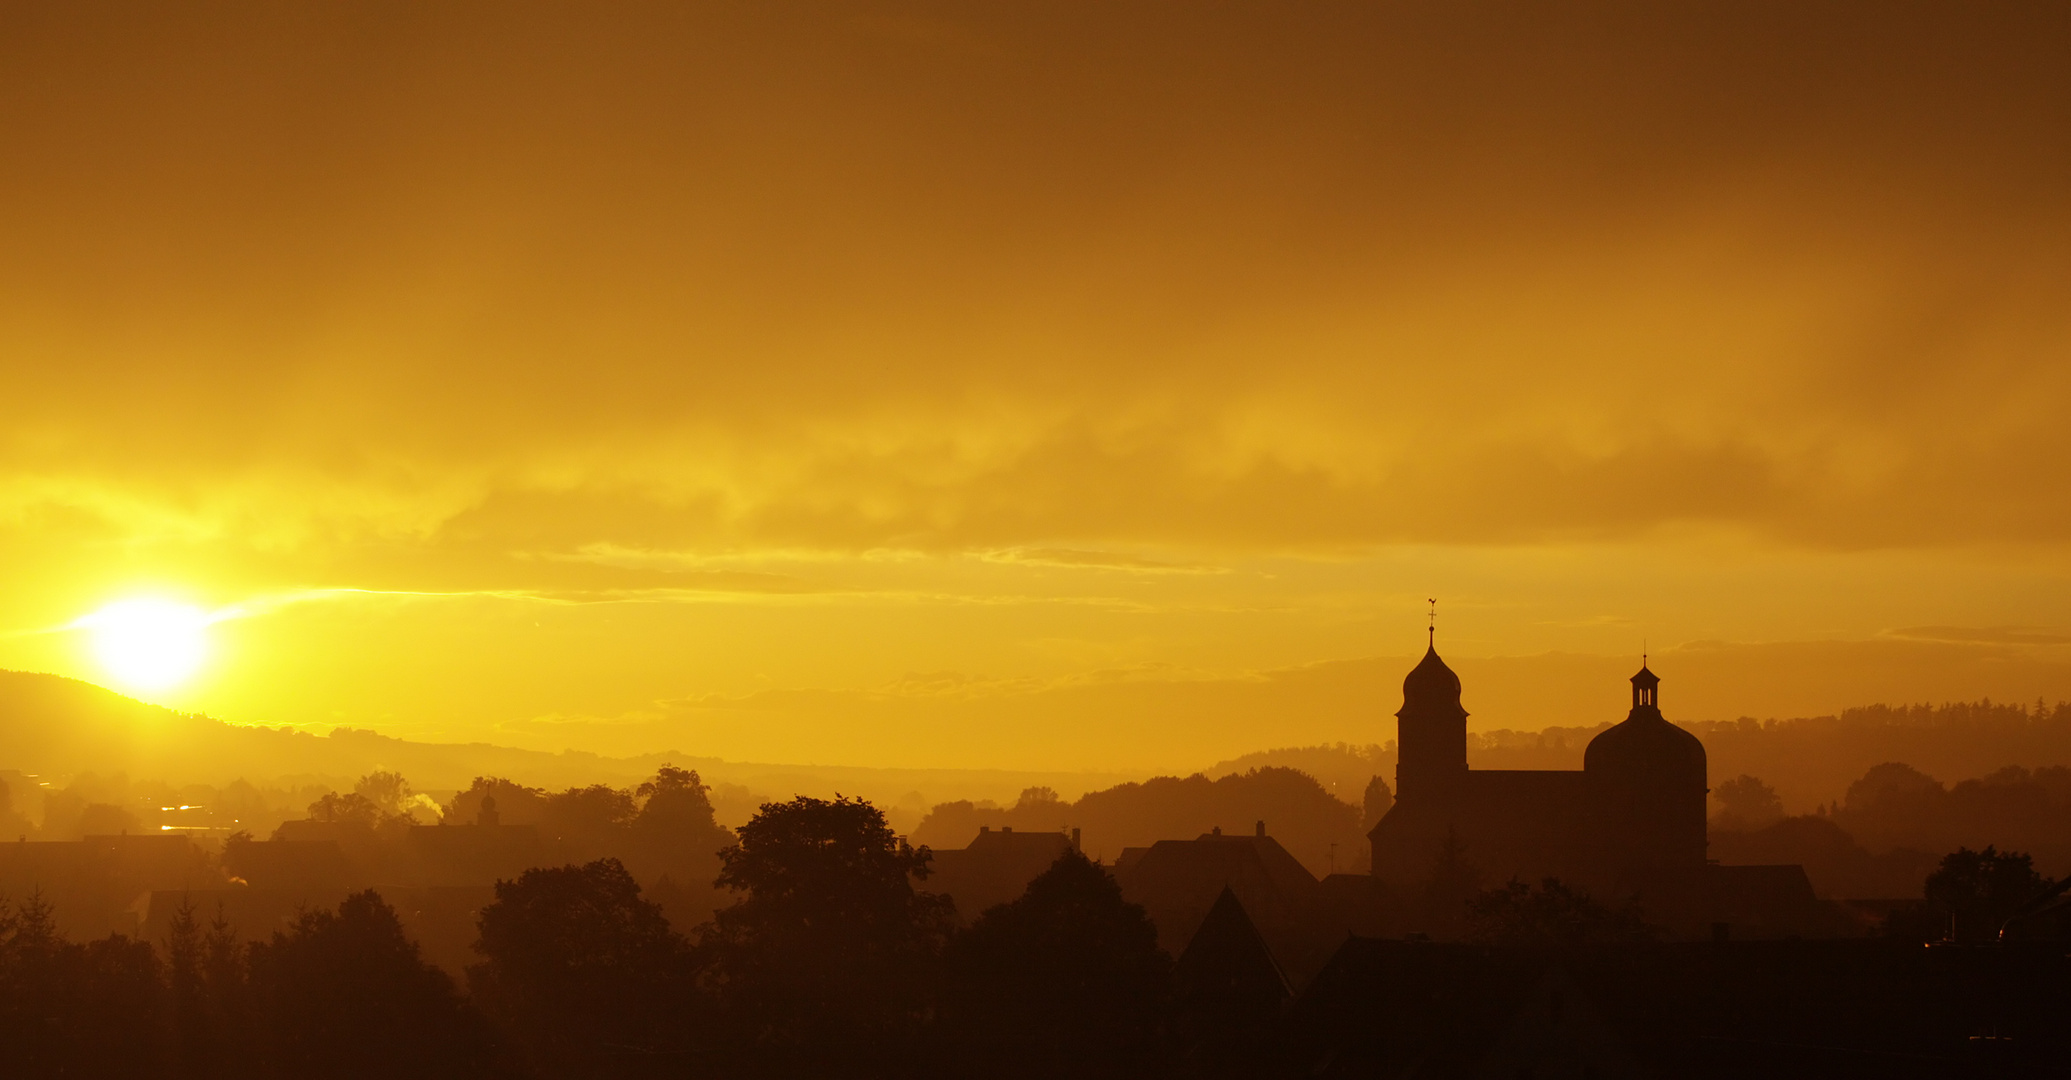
x=1075 y=842
x=983 y=829
x=1217 y=831
x=1006 y=828
x=1261 y=832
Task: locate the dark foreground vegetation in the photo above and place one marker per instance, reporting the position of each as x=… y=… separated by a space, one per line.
x=830 y=962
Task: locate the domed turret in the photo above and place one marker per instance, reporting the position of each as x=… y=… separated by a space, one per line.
x=1652 y=776
x=1431 y=731
x=1431 y=685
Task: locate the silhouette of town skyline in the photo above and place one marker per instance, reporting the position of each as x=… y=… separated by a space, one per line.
x=1516 y=920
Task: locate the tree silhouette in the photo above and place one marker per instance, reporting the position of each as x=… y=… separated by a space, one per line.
x=674 y=844
x=677 y=805
x=388 y=791
x=68 y=1009
x=1376 y=802
x=345 y=994
x=30 y=959
x=107 y=819
x=1746 y=803
x=110 y=999
x=197 y=1034
x=1068 y=980
x=516 y=804
x=578 y=968
x=824 y=964
x=1973 y=892
x=352 y=809
x=590 y=815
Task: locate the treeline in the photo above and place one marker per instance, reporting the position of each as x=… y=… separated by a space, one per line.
x=663 y=829
x=1324 y=832
x=1809 y=761
x=339 y=993
x=1881 y=836
x=829 y=963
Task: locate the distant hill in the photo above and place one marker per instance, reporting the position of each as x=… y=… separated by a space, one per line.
x=62 y=728
x=1810 y=761
x=1342 y=768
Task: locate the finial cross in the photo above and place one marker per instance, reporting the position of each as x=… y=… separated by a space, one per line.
x=1432 y=630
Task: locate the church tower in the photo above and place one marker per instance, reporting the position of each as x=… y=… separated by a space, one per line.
x=1431 y=734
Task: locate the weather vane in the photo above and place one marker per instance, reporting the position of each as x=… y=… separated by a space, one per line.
x=1432 y=630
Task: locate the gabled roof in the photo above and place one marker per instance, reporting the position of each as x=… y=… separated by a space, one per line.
x=1228 y=960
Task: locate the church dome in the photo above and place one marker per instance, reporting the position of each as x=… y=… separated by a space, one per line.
x=1431 y=685
x=1645 y=744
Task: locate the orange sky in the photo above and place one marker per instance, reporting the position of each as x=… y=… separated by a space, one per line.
x=1062 y=385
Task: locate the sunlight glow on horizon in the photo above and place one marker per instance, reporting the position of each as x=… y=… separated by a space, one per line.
x=149 y=643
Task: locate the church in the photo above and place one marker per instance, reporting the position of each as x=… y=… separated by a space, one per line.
x=1629 y=823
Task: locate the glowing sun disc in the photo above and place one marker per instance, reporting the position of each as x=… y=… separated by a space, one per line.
x=149 y=643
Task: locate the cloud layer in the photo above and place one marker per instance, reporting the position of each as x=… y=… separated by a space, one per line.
x=1125 y=309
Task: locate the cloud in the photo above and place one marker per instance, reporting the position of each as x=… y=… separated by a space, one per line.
x=654 y=349
x=685 y=572
x=1593 y=281
x=1095 y=560
x=1983 y=635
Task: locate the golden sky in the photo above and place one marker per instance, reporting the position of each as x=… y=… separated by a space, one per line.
x=1060 y=384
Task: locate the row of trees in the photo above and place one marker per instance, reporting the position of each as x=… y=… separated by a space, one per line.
x=832 y=964
x=829 y=963
x=1882 y=838
x=1316 y=827
x=339 y=993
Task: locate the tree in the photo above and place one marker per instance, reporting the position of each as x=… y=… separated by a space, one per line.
x=824 y=964
x=197 y=1039
x=575 y=962
x=75 y=1010
x=676 y=809
x=1038 y=798
x=516 y=804
x=1376 y=802
x=675 y=842
x=224 y=977
x=353 y=809
x=1973 y=892
x=107 y=819
x=31 y=952
x=387 y=791
x=345 y=994
x=590 y=814
x=1552 y=914
x=1068 y=980
x=110 y=1002
x=1746 y=804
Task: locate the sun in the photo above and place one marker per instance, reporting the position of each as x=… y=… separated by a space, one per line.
x=152 y=644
